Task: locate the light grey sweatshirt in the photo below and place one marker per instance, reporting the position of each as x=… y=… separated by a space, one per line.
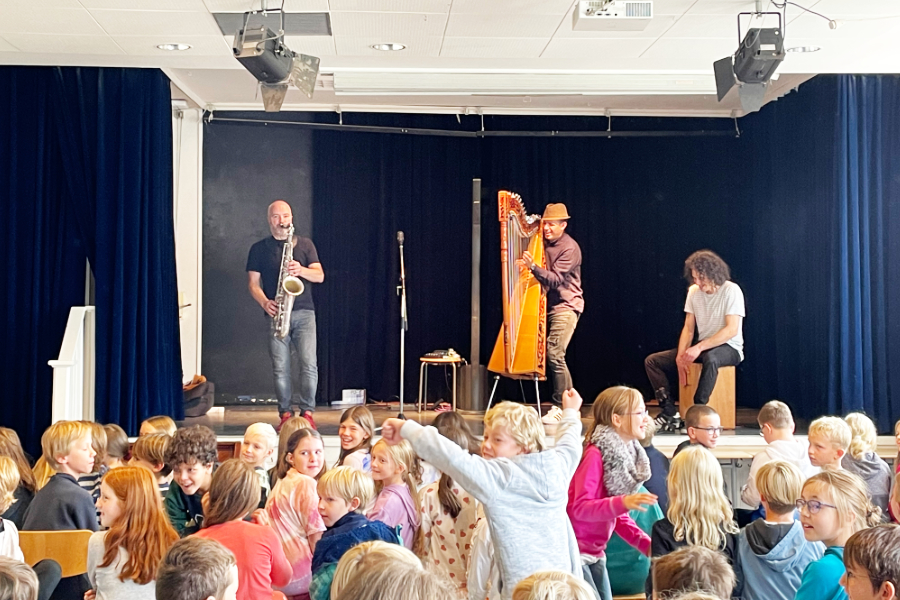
x=524 y=498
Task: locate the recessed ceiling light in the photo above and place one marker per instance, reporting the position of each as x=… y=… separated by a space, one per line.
x=388 y=47
x=804 y=49
x=174 y=46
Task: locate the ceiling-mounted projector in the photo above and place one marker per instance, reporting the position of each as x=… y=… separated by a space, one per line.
x=612 y=15
x=264 y=53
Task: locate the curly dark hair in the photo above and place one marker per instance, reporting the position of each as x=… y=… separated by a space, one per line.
x=192 y=444
x=708 y=265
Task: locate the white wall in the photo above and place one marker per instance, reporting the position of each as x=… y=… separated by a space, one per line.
x=187 y=130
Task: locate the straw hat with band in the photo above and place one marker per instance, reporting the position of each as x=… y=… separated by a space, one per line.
x=555 y=212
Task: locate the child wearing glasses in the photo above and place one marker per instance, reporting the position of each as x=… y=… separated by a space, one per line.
x=833 y=506
x=607 y=482
x=772 y=552
x=699 y=511
x=703 y=427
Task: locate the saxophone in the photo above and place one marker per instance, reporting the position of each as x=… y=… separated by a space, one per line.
x=289 y=287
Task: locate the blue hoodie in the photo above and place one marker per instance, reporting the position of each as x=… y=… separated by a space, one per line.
x=769 y=568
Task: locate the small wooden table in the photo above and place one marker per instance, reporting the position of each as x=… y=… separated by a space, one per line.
x=454 y=361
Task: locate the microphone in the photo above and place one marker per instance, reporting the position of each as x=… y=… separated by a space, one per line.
x=400 y=237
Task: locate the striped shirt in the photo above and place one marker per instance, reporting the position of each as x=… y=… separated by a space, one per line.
x=709 y=311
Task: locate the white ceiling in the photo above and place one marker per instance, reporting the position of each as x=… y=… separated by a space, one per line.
x=490 y=56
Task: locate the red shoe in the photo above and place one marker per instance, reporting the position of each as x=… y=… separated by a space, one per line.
x=285 y=416
x=307 y=414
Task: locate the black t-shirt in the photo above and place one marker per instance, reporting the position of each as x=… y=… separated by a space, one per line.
x=265 y=259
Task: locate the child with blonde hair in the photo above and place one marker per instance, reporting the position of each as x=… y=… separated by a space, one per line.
x=158 y=424
x=772 y=552
x=862 y=460
x=91 y=481
x=399 y=582
x=699 y=512
x=369 y=555
x=122 y=561
x=829 y=440
x=449 y=514
x=233 y=495
x=293 y=506
x=11 y=447
x=149 y=451
x=833 y=506
x=521 y=486
x=17 y=580
x=692 y=569
x=552 y=585
x=42 y=472
x=344 y=492
x=356 y=430
x=394 y=471
x=258 y=451
x=606 y=483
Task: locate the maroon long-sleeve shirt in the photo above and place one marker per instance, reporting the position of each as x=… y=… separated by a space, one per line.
x=562 y=277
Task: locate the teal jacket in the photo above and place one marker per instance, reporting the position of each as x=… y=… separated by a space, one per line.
x=627 y=567
x=821 y=579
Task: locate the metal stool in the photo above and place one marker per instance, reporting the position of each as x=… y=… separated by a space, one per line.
x=453 y=361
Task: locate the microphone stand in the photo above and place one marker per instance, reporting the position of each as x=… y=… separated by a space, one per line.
x=404 y=324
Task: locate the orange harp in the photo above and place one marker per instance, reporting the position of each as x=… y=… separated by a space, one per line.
x=520 y=351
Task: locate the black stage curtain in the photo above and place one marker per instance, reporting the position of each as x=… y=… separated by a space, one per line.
x=802 y=243
x=89 y=162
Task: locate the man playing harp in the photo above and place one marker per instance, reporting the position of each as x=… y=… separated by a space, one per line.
x=565 y=300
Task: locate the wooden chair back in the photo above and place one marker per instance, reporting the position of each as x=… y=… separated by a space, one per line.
x=68 y=548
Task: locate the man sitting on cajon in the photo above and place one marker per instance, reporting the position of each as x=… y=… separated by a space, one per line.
x=715 y=306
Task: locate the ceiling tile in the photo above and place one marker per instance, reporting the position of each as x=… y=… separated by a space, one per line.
x=18 y=19
x=127 y=22
x=416 y=46
x=516 y=7
x=172 y=5
x=44 y=4
x=201 y=45
x=715 y=26
x=657 y=26
x=246 y=5
x=672 y=7
x=409 y=6
x=691 y=53
x=848 y=27
x=63 y=44
x=314 y=45
x=605 y=51
x=468 y=47
x=390 y=27
x=6 y=46
x=507 y=25
x=856 y=7
x=723 y=7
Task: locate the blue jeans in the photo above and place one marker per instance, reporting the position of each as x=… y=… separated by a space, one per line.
x=302 y=338
x=598 y=579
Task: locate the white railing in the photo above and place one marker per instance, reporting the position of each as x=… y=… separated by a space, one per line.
x=73 y=372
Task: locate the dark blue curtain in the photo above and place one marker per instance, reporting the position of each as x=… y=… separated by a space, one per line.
x=865 y=335
x=108 y=135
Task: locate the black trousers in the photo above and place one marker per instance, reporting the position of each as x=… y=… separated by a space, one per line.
x=661 y=367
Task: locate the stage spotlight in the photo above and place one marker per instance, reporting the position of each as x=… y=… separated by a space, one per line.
x=264 y=53
x=752 y=66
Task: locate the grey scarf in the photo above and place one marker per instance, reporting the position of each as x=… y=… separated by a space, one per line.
x=625 y=465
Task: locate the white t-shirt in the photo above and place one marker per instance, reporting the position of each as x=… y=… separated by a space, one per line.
x=9 y=540
x=709 y=311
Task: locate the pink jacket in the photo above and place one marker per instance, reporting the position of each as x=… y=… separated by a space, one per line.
x=594 y=515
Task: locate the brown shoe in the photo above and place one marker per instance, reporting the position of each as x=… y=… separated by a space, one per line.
x=285 y=416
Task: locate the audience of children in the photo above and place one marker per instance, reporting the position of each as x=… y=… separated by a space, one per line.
x=552 y=585
x=605 y=485
x=344 y=492
x=293 y=506
x=833 y=505
x=699 y=512
x=772 y=551
x=149 y=451
x=449 y=513
x=11 y=447
x=192 y=455
x=233 y=495
x=862 y=460
x=395 y=471
x=116 y=446
x=776 y=425
x=123 y=560
x=258 y=452
x=158 y=424
x=703 y=426
x=829 y=440
x=692 y=569
x=355 y=431
x=872 y=564
x=521 y=485
x=196 y=568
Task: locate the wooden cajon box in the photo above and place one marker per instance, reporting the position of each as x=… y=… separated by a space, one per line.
x=721 y=399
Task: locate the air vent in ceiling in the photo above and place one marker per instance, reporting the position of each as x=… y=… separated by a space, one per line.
x=310 y=23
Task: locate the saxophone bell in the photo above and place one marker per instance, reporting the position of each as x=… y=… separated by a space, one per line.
x=293 y=286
